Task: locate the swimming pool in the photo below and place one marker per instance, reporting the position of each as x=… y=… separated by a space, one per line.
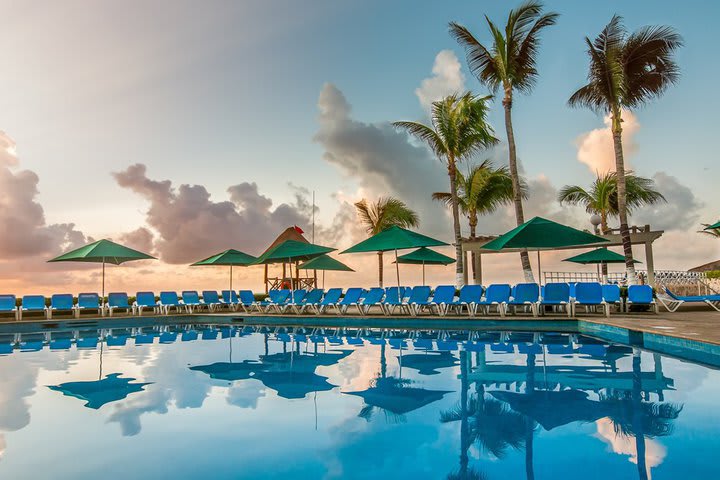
x=233 y=401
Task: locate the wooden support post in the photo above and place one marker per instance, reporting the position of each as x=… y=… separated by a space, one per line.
x=650 y=264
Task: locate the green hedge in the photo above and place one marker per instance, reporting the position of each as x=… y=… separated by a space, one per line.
x=713 y=274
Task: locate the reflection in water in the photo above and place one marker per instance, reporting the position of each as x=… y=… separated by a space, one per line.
x=489 y=392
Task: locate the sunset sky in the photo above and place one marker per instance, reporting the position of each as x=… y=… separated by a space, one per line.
x=183 y=128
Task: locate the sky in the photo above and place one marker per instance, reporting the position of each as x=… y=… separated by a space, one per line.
x=185 y=128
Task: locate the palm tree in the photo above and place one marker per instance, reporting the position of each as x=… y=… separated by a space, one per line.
x=459 y=130
x=386 y=212
x=509 y=62
x=626 y=71
x=480 y=192
x=713 y=232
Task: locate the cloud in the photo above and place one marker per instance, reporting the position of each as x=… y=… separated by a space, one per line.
x=681 y=212
x=8 y=153
x=596 y=149
x=381 y=160
x=447 y=79
x=140 y=239
x=655 y=452
x=190 y=225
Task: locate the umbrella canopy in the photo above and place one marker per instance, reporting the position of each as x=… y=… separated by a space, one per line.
x=230 y=371
x=713 y=226
x=325 y=262
x=540 y=234
x=394 y=238
x=429 y=363
x=600 y=255
x=229 y=258
x=292 y=250
x=103 y=251
x=395 y=396
x=99 y=392
x=425 y=256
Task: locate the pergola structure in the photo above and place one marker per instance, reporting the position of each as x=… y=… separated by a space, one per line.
x=638 y=236
x=284 y=281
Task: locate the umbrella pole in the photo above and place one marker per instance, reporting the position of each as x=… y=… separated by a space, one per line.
x=231 y=278
x=103 y=279
x=597 y=266
x=423 y=268
x=323 y=279
x=539 y=269
x=397 y=272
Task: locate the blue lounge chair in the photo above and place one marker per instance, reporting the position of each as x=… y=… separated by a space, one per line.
x=145 y=300
x=32 y=303
x=590 y=294
x=8 y=304
x=394 y=298
x=641 y=295
x=294 y=302
x=611 y=295
x=87 y=339
x=211 y=299
x=189 y=336
x=672 y=301
x=247 y=300
x=497 y=295
x=170 y=300
x=331 y=299
x=557 y=295
x=230 y=299
x=117 y=337
x=88 y=301
x=275 y=300
x=61 y=302
x=419 y=299
x=350 y=299
x=373 y=298
x=443 y=298
x=470 y=297
x=191 y=300
x=311 y=301
x=525 y=295
x=118 y=301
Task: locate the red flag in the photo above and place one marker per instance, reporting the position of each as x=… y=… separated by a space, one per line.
x=298 y=229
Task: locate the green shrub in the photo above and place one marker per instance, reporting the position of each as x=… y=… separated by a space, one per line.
x=713 y=274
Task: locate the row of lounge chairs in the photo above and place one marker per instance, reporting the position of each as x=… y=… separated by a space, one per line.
x=472 y=300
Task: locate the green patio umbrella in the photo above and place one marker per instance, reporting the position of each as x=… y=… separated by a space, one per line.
x=394 y=238
x=325 y=262
x=102 y=251
x=292 y=251
x=542 y=234
x=714 y=226
x=227 y=258
x=424 y=256
x=598 y=257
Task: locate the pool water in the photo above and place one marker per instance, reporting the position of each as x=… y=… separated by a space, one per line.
x=204 y=401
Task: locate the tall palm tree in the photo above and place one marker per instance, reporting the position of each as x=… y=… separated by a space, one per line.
x=386 y=212
x=459 y=130
x=509 y=62
x=713 y=232
x=480 y=192
x=626 y=71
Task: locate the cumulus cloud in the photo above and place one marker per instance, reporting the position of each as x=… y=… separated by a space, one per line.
x=681 y=212
x=140 y=239
x=596 y=150
x=381 y=159
x=655 y=452
x=447 y=78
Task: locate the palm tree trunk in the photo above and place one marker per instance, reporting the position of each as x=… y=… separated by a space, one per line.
x=473 y=254
x=459 y=264
x=380 y=269
x=517 y=194
x=529 y=423
x=637 y=416
x=464 y=427
x=622 y=197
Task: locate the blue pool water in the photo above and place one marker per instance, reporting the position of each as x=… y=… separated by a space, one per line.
x=223 y=401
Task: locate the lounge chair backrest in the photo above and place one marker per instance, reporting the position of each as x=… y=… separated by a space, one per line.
x=169 y=298
x=611 y=293
x=419 y=294
x=589 y=293
x=640 y=294
x=375 y=295
x=190 y=297
x=118 y=300
x=498 y=293
x=145 y=299
x=210 y=296
x=332 y=296
x=572 y=289
x=33 y=302
x=62 y=301
x=229 y=296
x=298 y=296
x=394 y=295
x=526 y=292
x=671 y=294
x=7 y=303
x=246 y=297
x=557 y=292
x=444 y=294
x=352 y=295
x=471 y=294
x=314 y=296
x=279 y=296
x=88 y=300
